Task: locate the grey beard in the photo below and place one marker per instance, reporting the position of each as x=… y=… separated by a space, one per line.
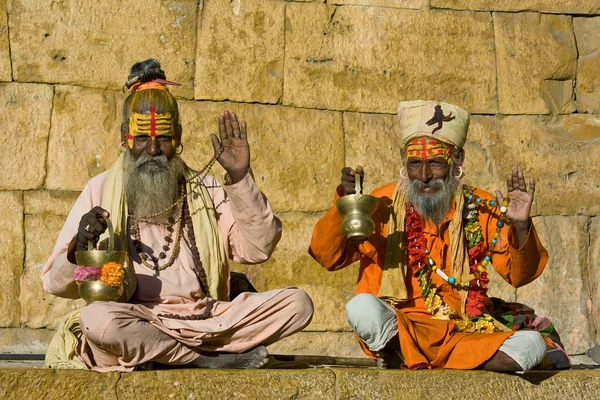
x=433 y=207
x=152 y=184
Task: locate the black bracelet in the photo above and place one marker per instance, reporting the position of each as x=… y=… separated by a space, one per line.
x=78 y=242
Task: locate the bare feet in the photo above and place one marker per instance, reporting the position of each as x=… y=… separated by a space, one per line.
x=251 y=359
x=390 y=359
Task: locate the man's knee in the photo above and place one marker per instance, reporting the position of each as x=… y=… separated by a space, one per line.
x=372 y=320
x=94 y=320
x=527 y=348
x=301 y=306
x=364 y=308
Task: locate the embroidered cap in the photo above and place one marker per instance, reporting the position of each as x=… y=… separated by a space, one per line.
x=442 y=121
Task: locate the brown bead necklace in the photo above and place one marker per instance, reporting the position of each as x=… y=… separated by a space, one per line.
x=144 y=257
x=134 y=228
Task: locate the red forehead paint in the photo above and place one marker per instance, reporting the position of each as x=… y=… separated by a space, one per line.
x=152 y=121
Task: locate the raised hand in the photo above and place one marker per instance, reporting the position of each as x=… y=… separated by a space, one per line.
x=349 y=180
x=234 y=143
x=520 y=200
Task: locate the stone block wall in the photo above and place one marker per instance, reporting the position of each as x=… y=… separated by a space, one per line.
x=318 y=83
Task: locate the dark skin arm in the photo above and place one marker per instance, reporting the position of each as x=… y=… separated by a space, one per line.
x=349 y=180
x=233 y=140
x=96 y=225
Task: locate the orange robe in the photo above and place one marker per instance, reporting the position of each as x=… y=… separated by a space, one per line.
x=425 y=342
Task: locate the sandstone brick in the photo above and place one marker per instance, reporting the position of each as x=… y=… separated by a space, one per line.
x=411 y=4
x=335 y=344
x=537 y=62
x=562 y=292
x=587 y=33
x=291 y=265
x=85 y=136
x=373 y=142
x=94 y=44
x=38 y=308
x=5 y=69
x=240 y=51
x=223 y=384
x=559 y=7
x=25 y=341
x=296 y=153
x=58 y=384
x=49 y=202
x=369 y=58
x=12 y=248
x=548 y=148
x=414 y=385
x=24 y=129
x=593 y=274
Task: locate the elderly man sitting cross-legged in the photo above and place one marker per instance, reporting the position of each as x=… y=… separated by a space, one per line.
x=423 y=273
x=179 y=228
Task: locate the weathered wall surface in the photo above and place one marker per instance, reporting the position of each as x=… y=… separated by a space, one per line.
x=318 y=83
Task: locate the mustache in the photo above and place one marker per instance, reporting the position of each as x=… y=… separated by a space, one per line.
x=433 y=184
x=148 y=163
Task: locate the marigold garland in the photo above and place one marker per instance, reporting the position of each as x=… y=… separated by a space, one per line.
x=112 y=274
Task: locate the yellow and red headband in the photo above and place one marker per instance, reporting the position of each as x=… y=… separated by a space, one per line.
x=426 y=148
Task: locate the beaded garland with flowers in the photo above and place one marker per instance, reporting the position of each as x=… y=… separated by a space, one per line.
x=478 y=304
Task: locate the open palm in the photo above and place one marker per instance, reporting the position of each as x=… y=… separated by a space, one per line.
x=519 y=196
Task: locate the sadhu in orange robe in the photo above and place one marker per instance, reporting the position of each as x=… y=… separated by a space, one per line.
x=425 y=342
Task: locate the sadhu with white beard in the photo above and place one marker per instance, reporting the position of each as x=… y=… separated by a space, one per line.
x=179 y=227
x=421 y=294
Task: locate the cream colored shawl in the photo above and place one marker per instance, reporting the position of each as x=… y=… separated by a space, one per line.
x=204 y=220
x=393 y=282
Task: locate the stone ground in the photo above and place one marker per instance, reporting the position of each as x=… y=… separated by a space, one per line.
x=315 y=383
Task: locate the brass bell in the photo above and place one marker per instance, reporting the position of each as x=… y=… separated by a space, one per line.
x=357 y=209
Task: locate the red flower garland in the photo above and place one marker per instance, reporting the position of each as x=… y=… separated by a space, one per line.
x=477 y=299
x=415 y=242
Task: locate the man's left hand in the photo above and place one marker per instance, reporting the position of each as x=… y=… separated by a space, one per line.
x=520 y=200
x=234 y=142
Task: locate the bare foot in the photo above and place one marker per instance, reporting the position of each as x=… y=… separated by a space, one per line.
x=251 y=359
x=390 y=360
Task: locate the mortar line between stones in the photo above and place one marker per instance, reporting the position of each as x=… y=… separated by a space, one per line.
x=344 y=138
x=48 y=139
x=496 y=64
x=119 y=376
x=23 y=261
x=588 y=274
x=285 y=6
x=12 y=76
x=199 y=11
x=576 y=65
x=336 y=391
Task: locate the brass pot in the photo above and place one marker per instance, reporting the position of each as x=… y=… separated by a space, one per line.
x=357 y=210
x=92 y=291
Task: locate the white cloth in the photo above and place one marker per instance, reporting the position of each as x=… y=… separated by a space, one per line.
x=373 y=320
x=527 y=348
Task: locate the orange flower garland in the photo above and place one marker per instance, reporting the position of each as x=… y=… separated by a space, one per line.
x=112 y=274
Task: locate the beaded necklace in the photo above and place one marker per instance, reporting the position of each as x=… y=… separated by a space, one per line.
x=134 y=227
x=476 y=282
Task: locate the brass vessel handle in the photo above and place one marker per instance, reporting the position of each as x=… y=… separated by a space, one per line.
x=357 y=187
x=111 y=238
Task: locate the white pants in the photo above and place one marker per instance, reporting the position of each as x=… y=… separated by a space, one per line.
x=374 y=321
